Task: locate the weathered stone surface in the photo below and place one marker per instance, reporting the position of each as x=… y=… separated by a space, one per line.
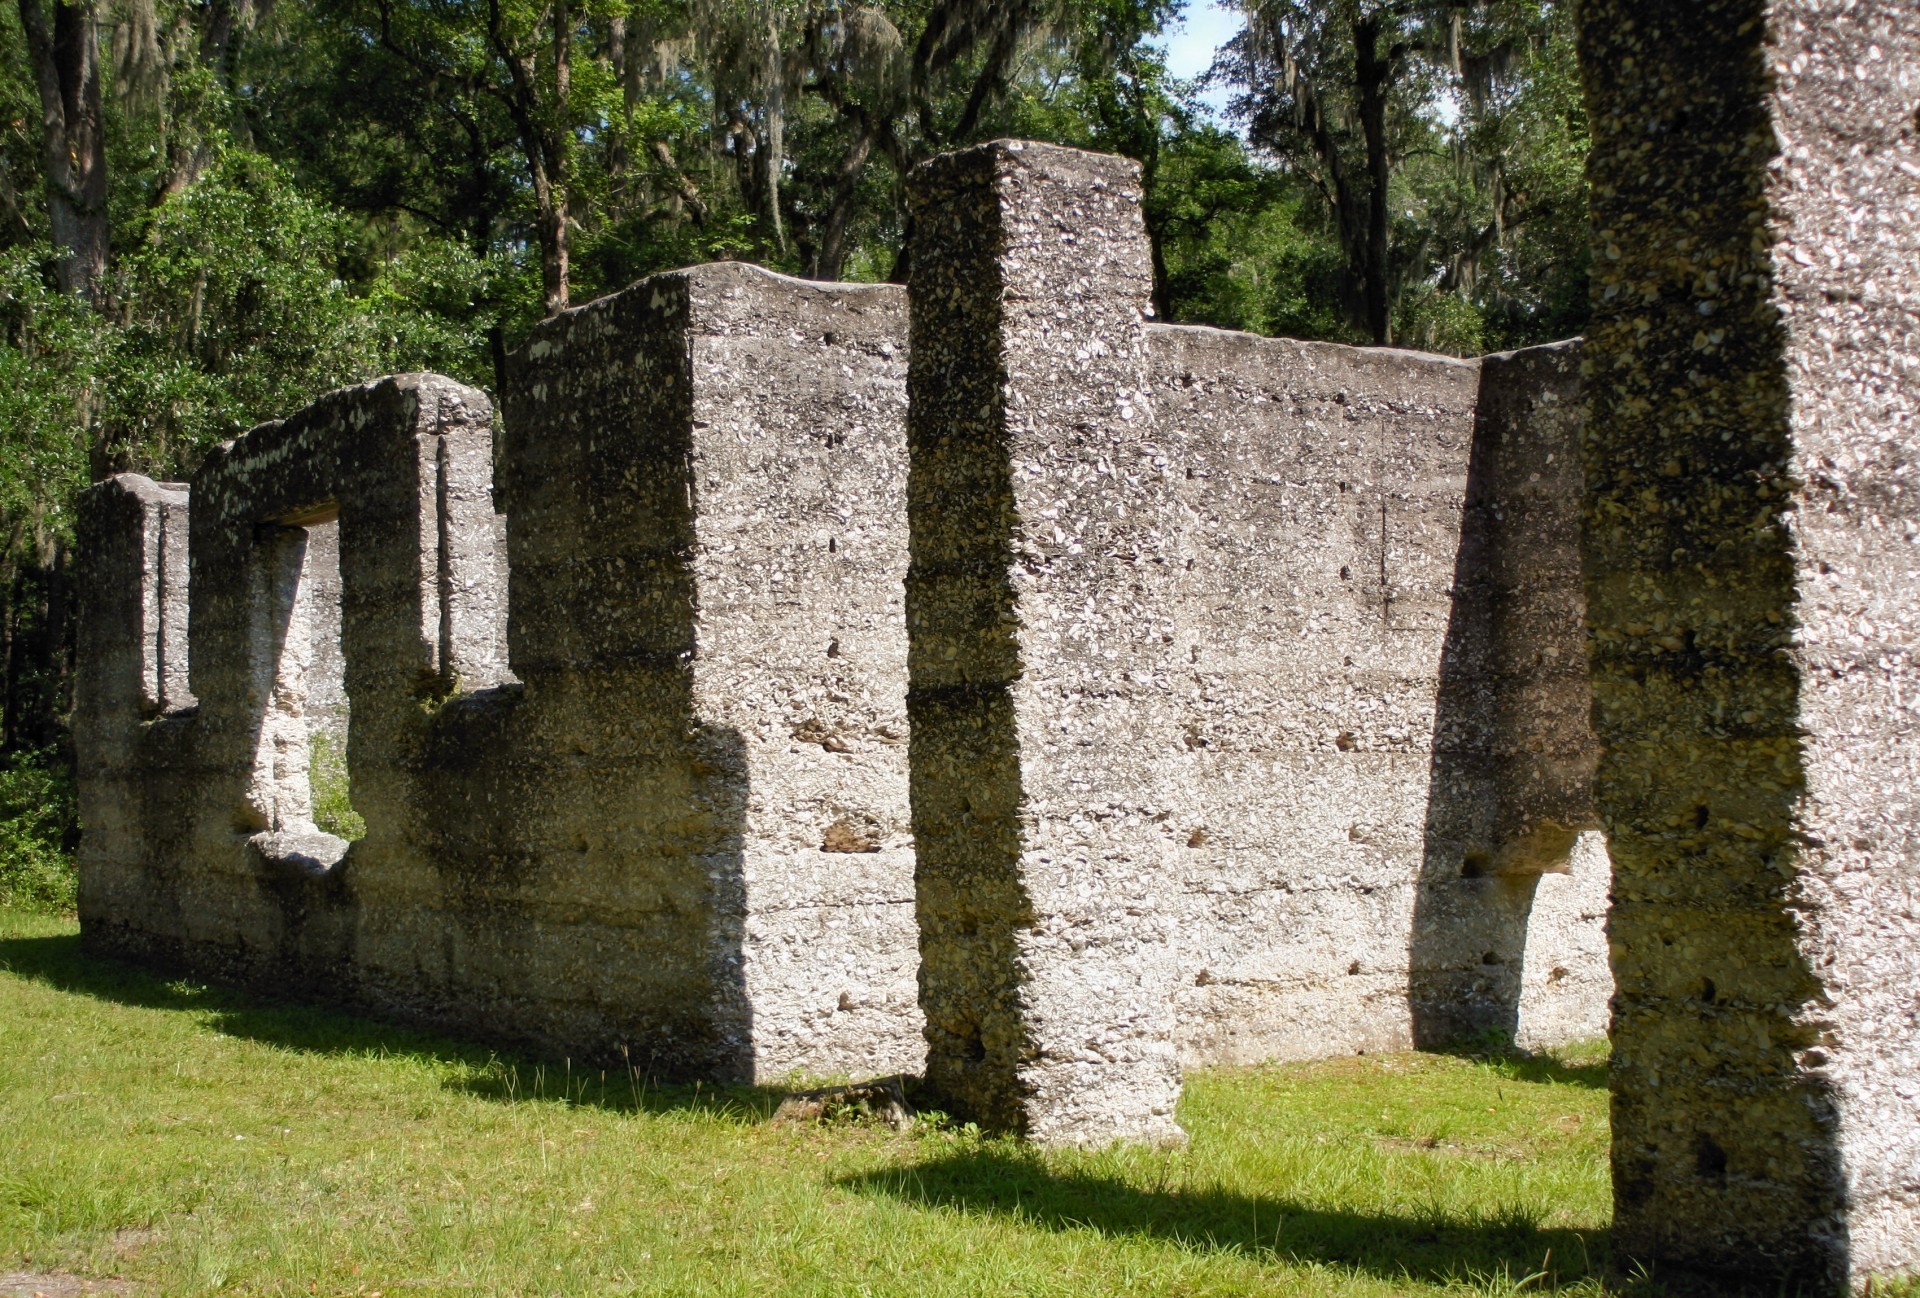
x=132 y=634
x=620 y=848
x=1380 y=643
x=1246 y=676
x=1750 y=572
x=1503 y=939
x=704 y=479
x=207 y=853
x=130 y=650
x=1325 y=484
x=1046 y=745
x=1336 y=592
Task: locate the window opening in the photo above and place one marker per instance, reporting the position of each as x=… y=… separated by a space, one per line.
x=326 y=704
x=300 y=786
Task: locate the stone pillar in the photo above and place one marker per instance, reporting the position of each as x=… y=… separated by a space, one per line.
x=132 y=650
x=1040 y=596
x=130 y=654
x=705 y=476
x=1751 y=573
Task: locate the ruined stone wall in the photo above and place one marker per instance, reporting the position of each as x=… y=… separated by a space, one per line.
x=1524 y=754
x=675 y=830
x=1335 y=594
x=1246 y=694
x=1750 y=566
x=1246 y=680
x=697 y=807
x=1381 y=633
x=200 y=846
x=131 y=654
x=1046 y=742
x=1326 y=484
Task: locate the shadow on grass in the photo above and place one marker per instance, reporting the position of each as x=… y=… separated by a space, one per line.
x=1515 y=1065
x=1502 y=1252
x=58 y=961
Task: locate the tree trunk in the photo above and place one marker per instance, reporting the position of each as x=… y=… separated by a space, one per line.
x=554 y=267
x=551 y=204
x=497 y=350
x=14 y=224
x=684 y=189
x=543 y=142
x=1345 y=194
x=17 y=624
x=1162 y=292
x=37 y=677
x=775 y=142
x=831 y=263
x=744 y=144
x=1148 y=153
x=1373 y=78
x=620 y=147
x=223 y=28
x=65 y=58
x=902 y=271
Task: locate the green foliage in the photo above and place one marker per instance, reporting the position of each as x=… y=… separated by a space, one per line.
x=1242 y=243
x=1438 y=321
x=1472 y=110
x=51 y=345
x=348 y=191
x=231 y=310
x=38 y=831
x=327 y=779
x=235 y=310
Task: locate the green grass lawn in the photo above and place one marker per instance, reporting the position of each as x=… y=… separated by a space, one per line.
x=190 y=1139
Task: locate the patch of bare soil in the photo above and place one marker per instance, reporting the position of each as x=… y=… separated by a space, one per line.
x=884 y=1101
x=56 y=1284
x=1402 y=1145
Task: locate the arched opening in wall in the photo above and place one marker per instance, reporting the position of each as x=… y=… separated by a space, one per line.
x=300 y=795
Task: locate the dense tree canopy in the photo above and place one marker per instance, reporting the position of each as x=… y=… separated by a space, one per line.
x=212 y=210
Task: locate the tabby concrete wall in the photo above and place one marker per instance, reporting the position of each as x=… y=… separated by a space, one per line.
x=199 y=843
x=1046 y=753
x=1247 y=676
x=1381 y=628
x=700 y=799
x=1246 y=684
x=657 y=811
x=1751 y=568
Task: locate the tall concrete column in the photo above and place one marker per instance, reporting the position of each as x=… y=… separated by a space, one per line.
x=1040 y=602
x=1752 y=557
x=131 y=669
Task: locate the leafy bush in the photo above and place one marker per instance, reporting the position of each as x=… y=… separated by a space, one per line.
x=38 y=829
